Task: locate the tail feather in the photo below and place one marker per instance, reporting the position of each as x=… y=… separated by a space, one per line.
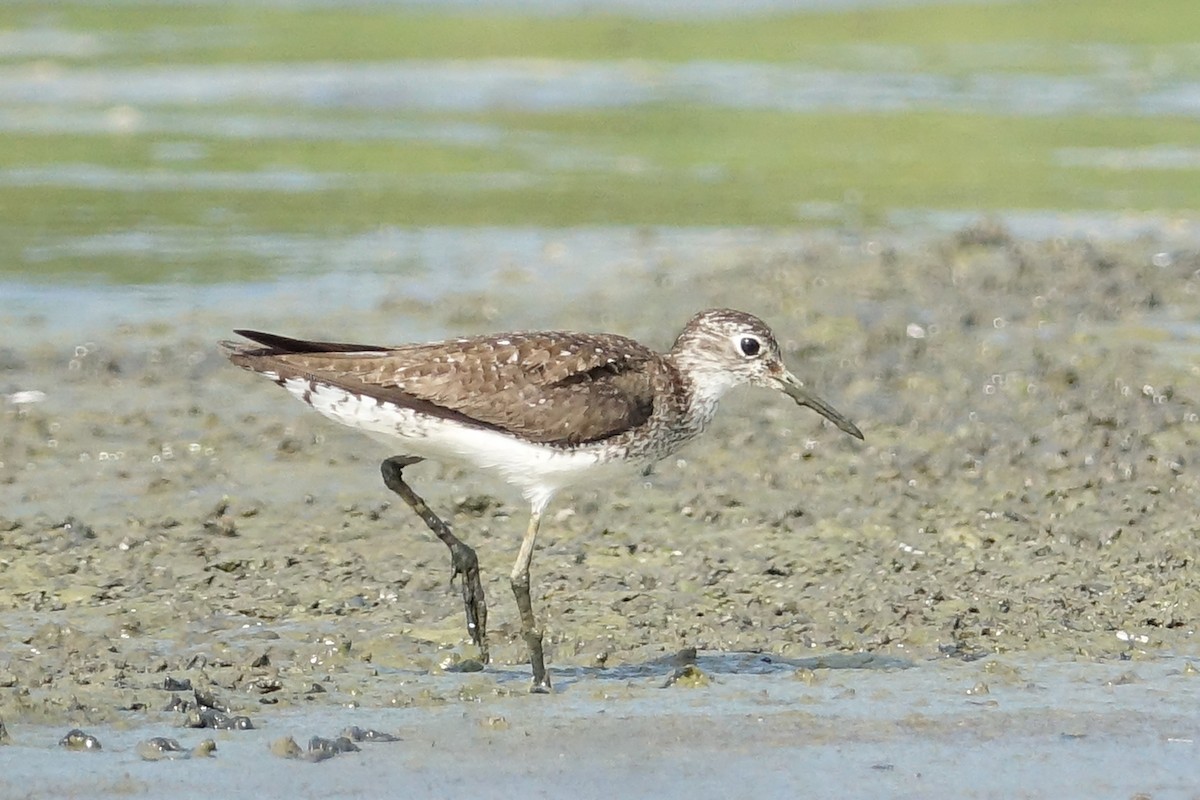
x=277 y=344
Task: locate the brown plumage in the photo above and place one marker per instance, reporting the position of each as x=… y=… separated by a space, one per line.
x=549 y=387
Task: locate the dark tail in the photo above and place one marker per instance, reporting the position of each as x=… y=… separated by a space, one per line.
x=285 y=344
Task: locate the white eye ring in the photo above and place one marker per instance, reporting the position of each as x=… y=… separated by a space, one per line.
x=749 y=346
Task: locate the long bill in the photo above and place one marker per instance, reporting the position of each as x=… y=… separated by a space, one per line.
x=791 y=386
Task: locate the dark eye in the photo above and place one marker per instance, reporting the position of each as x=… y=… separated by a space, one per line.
x=750 y=346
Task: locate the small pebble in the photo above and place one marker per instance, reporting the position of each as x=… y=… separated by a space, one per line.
x=179 y=703
x=205 y=749
x=159 y=748
x=217 y=720
x=341 y=744
x=286 y=748
x=689 y=677
x=357 y=734
x=78 y=740
x=206 y=698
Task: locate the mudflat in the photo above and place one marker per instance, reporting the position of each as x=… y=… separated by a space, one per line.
x=1026 y=496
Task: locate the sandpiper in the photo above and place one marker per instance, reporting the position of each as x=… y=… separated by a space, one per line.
x=544 y=409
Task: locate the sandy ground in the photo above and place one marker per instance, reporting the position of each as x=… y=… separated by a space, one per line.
x=1027 y=495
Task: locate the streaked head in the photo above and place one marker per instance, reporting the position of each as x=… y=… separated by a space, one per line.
x=721 y=348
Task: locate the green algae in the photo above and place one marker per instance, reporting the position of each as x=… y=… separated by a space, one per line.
x=151 y=167
x=260 y=32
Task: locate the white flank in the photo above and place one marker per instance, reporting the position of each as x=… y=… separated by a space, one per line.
x=537 y=470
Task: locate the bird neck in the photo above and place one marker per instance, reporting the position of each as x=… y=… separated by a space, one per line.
x=700 y=389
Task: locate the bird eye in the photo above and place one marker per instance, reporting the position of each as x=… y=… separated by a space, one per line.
x=750 y=346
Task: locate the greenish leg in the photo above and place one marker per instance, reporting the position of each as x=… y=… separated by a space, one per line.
x=463 y=560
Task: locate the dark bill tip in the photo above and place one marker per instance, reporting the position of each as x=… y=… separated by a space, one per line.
x=795 y=390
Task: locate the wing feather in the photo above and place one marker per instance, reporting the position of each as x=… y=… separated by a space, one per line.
x=550 y=387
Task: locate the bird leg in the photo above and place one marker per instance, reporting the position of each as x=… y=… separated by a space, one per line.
x=520 y=587
x=462 y=558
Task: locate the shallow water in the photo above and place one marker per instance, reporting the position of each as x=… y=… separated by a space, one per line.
x=1063 y=730
x=549 y=86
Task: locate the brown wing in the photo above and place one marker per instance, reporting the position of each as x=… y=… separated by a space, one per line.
x=552 y=387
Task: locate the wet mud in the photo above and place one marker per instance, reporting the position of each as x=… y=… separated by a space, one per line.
x=1028 y=488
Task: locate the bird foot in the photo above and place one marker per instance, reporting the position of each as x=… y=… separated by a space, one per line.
x=540 y=687
x=464 y=562
x=529 y=627
x=462 y=558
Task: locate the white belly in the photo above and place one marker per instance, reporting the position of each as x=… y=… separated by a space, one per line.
x=538 y=470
